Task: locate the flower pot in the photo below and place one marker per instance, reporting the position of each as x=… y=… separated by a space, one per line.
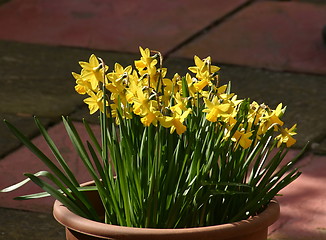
x=79 y=228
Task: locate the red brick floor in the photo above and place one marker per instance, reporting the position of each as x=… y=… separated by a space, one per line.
x=303 y=211
x=284 y=36
x=110 y=25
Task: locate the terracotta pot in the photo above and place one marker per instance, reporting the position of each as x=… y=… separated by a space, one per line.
x=79 y=228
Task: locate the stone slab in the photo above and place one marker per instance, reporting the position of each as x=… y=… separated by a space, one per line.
x=24 y=225
x=36 y=79
x=277 y=35
x=303 y=212
x=21 y=161
x=8 y=142
x=320 y=147
x=110 y=25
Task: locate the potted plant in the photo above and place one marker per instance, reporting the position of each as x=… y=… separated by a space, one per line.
x=178 y=157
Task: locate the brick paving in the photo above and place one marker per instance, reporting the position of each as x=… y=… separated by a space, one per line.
x=115 y=26
x=270 y=50
x=282 y=36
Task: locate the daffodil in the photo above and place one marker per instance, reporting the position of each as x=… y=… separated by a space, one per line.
x=141 y=102
x=242 y=138
x=144 y=92
x=204 y=69
x=256 y=111
x=132 y=87
x=172 y=86
x=175 y=123
x=286 y=136
x=181 y=104
x=82 y=85
x=118 y=78
x=151 y=116
x=216 y=109
x=271 y=119
x=95 y=101
x=146 y=64
x=92 y=71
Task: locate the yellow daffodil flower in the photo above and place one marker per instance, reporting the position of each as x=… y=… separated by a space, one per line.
x=190 y=84
x=82 y=85
x=95 y=101
x=181 y=104
x=286 y=136
x=145 y=93
x=151 y=116
x=215 y=109
x=175 y=123
x=92 y=71
x=242 y=138
x=203 y=68
x=146 y=64
x=141 y=102
x=172 y=86
x=272 y=118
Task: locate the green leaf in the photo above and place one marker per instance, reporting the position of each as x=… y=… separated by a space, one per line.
x=45 y=194
x=57 y=195
x=20 y=184
x=92 y=136
x=56 y=152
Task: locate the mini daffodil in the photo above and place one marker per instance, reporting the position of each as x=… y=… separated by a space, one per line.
x=95 y=101
x=175 y=123
x=152 y=115
x=147 y=63
x=92 y=71
x=172 y=86
x=215 y=109
x=271 y=118
x=203 y=68
x=243 y=138
x=286 y=136
x=146 y=94
x=141 y=102
x=82 y=85
x=181 y=104
x=118 y=78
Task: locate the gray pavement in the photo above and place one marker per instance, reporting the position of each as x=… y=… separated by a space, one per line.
x=19 y=225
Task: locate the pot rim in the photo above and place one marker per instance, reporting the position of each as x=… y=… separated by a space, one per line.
x=77 y=223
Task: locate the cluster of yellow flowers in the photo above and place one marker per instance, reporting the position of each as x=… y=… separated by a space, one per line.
x=145 y=91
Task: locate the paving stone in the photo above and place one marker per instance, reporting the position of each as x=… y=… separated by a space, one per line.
x=283 y=35
x=303 y=212
x=320 y=147
x=83 y=113
x=36 y=80
x=311 y=1
x=303 y=94
x=8 y=142
x=114 y=25
x=18 y=225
